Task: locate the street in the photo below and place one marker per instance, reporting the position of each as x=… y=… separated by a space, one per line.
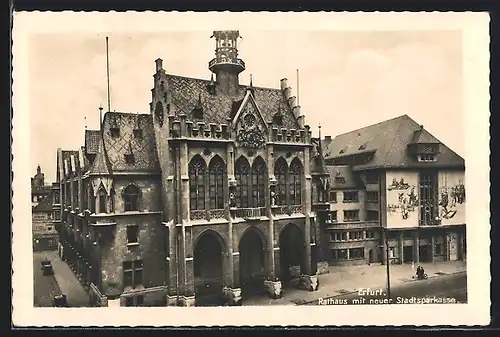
x=443 y=289
x=45 y=286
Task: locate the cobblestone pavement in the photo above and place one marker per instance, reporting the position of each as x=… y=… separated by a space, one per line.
x=345 y=280
x=68 y=283
x=45 y=287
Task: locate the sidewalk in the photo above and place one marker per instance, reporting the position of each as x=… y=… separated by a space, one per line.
x=344 y=280
x=68 y=283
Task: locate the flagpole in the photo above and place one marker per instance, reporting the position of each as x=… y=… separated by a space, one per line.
x=107 y=72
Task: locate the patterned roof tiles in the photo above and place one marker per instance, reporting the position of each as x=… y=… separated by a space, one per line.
x=92 y=141
x=186 y=93
x=112 y=150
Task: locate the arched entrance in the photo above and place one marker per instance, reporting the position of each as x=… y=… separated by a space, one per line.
x=252 y=256
x=292 y=252
x=208 y=270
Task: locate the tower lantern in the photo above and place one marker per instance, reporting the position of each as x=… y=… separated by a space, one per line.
x=226 y=65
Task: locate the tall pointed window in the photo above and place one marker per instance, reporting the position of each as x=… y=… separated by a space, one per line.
x=258 y=181
x=280 y=168
x=242 y=170
x=216 y=183
x=131 y=198
x=102 y=200
x=197 y=170
x=294 y=180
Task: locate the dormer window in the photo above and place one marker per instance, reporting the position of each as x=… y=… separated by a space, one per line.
x=138 y=133
x=115 y=132
x=427 y=158
x=129 y=158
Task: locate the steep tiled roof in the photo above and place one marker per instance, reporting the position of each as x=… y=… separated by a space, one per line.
x=389 y=140
x=92 y=141
x=45 y=205
x=187 y=92
x=111 y=152
x=342 y=177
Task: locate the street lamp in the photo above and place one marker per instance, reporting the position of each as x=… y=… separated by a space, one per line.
x=388 y=274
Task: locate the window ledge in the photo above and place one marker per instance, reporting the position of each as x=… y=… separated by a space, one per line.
x=350 y=201
x=132 y=244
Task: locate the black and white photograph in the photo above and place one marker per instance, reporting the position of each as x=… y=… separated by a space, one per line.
x=287 y=170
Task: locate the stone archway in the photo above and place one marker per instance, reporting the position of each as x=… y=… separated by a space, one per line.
x=252 y=257
x=292 y=252
x=208 y=269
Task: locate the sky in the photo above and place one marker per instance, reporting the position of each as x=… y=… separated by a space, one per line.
x=347 y=80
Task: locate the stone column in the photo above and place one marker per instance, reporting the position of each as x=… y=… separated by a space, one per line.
x=270 y=229
x=433 y=248
x=187 y=298
x=416 y=247
x=311 y=281
x=172 y=258
x=463 y=245
x=401 y=246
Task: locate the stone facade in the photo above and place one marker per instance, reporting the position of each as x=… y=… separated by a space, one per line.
x=206 y=199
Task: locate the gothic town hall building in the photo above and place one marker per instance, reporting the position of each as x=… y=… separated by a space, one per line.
x=203 y=200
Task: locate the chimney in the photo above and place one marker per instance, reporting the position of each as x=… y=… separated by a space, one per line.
x=159 y=64
x=328 y=138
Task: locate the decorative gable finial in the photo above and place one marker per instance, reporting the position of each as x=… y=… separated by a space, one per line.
x=250 y=87
x=211 y=85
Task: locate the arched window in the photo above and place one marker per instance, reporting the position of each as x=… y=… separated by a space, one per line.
x=258 y=181
x=102 y=197
x=280 y=168
x=216 y=174
x=196 y=183
x=242 y=170
x=131 y=198
x=295 y=179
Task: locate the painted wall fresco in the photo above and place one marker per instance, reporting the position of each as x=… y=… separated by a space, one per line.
x=452 y=198
x=402 y=199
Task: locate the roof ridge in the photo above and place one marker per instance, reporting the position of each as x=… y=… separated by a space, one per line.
x=372 y=125
x=208 y=81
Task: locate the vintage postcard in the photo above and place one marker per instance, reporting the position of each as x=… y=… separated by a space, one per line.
x=250 y=169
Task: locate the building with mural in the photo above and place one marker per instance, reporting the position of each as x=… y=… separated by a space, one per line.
x=203 y=200
x=395 y=183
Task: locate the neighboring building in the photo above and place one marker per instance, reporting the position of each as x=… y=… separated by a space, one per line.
x=209 y=194
x=395 y=181
x=45 y=236
x=38 y=188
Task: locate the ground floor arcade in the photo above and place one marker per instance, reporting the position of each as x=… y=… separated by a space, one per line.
x=424 y=244
x=252 y=259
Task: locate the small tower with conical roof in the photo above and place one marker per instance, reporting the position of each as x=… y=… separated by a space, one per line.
x=226 y=65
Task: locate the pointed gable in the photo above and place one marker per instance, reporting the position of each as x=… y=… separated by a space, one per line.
x=190 y=95
x=142 y=145
x=100 y=166
x=250 y=126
